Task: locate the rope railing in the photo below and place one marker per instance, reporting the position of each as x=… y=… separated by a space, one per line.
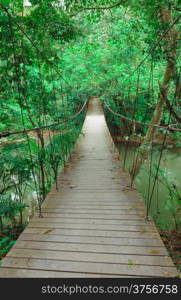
x=142 y=123
x=6 y=134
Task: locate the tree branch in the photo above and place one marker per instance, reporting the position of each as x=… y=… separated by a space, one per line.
x=176 y=8
x=172 y=111
x=99 y=7
x=9 y=187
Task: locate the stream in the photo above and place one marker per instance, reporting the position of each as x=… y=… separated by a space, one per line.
x=165 y=208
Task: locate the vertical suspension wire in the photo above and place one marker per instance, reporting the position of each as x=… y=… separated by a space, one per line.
x=150 y=91
x=127 y=143
x=44 y=176
x=149 y=178
x=54 y=92
x=17 y=75
x=150 y=86
x=63 y=114
x=50 y=132
x=178 y=83
x=67 y=127
x=135 y=108
x=39 y=140
x=62 y=100
x=41 y=98
x=120 y=104
x=157 y=200
x=73 y=123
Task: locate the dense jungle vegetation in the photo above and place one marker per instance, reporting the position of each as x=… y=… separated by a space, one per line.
x=54 y=56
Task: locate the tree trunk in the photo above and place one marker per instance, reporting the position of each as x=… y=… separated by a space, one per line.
x=170 y=47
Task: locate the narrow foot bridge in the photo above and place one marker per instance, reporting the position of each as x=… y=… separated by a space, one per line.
x=94 y=226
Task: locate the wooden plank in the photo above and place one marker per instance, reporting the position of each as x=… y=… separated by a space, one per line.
x=110 y=207
x=83 y=200
x=98 y=216
x=102 y=196
x=94 y=216
x=113 y=249
x=84 y=196
x=102 y=221
x=38 y=235
x=27 y=273
x=92 y=257
x=89 y=267
x=88 y=232
x=103 y=211
x=68 y=204
x=47 y=223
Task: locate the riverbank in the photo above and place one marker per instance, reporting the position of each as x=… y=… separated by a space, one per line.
x=172 y=241
x=169 y=142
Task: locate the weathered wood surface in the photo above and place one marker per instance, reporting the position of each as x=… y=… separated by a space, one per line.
x=94 y=226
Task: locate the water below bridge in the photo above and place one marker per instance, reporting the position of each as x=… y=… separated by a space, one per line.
x=164 y=206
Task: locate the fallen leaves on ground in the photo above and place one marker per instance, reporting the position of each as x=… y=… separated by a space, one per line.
x=132 y=263
x=142 y=214
x=47 y=231
x=73 y=186
x=167 y=274
x=155 y=251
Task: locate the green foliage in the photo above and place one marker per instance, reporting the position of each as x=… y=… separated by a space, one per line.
x=5 y=245
x=9 y=208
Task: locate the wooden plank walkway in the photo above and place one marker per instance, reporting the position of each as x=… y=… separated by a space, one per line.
x=94 y=226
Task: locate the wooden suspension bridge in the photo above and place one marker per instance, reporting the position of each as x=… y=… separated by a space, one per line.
x=95 y=225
